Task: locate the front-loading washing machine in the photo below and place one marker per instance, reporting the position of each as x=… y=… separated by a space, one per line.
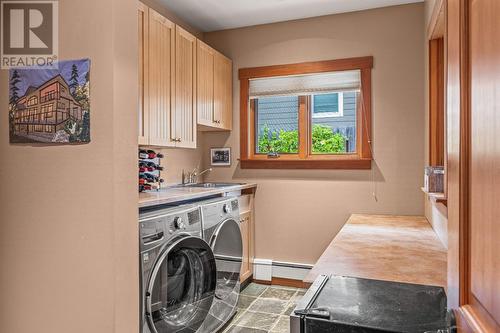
x=179 y=275
x=221 y=230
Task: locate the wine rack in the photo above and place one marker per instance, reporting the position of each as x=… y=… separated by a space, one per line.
x=150 y=170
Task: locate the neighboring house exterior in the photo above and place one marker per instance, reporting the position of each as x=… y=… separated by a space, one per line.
x=46 y=108
x=337 y=112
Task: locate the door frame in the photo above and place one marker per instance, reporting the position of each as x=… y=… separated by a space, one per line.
x=471 y=315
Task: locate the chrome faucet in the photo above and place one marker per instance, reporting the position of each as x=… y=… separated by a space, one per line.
x=192 y=177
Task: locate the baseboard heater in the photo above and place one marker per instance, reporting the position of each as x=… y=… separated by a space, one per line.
x=266 y=269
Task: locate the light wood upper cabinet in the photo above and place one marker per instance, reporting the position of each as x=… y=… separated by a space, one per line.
x=223 y=92
x=161 y=56
x=185 y=89
x=182 y=83
x=143 y=109
x=205 y=84
x=214 y=83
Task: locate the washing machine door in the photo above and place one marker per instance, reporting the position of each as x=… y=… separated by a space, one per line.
x=227 y=245
x=182 y=286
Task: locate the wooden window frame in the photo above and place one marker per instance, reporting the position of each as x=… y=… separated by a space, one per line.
x=362 y=159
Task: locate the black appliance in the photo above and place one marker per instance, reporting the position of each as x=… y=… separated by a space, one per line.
x=338 y=304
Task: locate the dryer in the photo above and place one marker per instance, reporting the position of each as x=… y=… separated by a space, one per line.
x=221 y=230
x=178 y=280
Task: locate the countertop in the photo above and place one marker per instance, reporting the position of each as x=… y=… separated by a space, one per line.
x=173 y=194
x=381 y=247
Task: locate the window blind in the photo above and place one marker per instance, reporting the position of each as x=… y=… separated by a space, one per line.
x=305 y=84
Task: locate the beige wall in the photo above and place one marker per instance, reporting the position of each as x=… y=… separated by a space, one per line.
x=177 y=159
x=299 y=212
x=68 y=213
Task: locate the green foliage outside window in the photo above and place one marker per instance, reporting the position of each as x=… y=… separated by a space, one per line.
x=281 y=142
x=324 y=141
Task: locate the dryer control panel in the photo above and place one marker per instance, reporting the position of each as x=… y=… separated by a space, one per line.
x=217 y=210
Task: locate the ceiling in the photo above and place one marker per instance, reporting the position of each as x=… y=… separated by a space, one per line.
x=212 y=15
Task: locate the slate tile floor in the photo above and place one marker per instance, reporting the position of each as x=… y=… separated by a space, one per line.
x=264 y=309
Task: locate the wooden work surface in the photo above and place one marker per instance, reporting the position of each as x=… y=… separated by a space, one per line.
x=391 y=248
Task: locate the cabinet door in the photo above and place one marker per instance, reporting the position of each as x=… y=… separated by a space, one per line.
x=143 y=109
x=223 y=113
x=161 y=80
x=246 y=235
x=185 y=89
x=205 y=84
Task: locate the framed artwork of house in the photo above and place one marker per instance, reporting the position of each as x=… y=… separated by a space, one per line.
x=50 y=105
x=220 y=156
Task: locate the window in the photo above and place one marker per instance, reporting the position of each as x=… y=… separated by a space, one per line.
x=311 y=115
x=33 y=100
x=334 y=122
x=277 y=125
x=50 y=95
x=328 y=105
x=47 y=110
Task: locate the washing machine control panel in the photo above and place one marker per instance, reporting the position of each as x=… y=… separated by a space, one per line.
x=226 y=208
x=179 y=223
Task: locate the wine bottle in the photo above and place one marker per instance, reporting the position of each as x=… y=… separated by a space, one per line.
x=143 y=167
x=153 y=166
x=143 y=153
x=150 y=177
x=151 y=154
x=143 y=176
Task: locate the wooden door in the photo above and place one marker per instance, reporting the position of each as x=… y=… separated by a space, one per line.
x=473 y=99
x=205 y=84
x=185 y=89
x=143 y=108
x=246 y=236
x=161 y=79
x=484 y=286
x=223 y=113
